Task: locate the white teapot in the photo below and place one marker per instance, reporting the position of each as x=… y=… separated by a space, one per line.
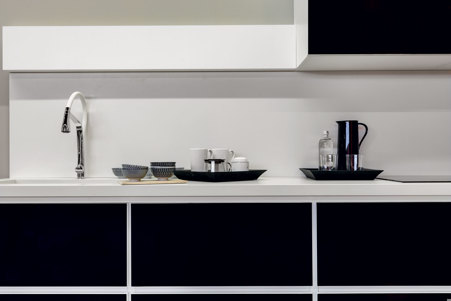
x=239 y=164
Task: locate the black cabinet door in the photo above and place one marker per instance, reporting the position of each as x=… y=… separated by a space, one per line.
x=222 y=298
x=384 y=244
x=63 y=245
x=221 y=244
x=386 y=297
x=62 y=297
x=379 y=26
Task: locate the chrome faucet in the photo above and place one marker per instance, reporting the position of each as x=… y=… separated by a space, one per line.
x=80 y=126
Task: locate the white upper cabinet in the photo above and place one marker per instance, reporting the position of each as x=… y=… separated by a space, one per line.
x=128 y=48
x=326 y=35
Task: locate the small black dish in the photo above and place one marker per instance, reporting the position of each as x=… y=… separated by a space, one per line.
x=227 y=176
x=363 y=174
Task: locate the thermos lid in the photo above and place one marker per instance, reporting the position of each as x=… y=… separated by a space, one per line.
x=347 y=121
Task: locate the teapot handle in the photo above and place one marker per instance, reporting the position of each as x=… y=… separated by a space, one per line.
x=366 y=132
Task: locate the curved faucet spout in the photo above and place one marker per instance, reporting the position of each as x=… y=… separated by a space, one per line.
x=80 y=126
x=65 y=128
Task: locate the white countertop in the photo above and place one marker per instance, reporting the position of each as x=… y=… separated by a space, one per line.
x=264 y=187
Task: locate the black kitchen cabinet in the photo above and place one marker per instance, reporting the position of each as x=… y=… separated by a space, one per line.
x=222 y=298
x=62 y=298
x=386 y=297
x=384 y=244
x=221 y=244
x=62 y=245
x=379 y=27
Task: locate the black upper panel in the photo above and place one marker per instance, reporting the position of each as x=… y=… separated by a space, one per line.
x=379 y=26
x=62 y=297
x=222 y=298
x=384 y=297
x=384 y=244
x=62 y=245
x=221 y=244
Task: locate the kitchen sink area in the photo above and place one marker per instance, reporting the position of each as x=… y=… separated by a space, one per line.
x=60 y=181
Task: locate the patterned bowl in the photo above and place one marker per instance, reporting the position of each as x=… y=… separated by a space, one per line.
x=163 y=164
x=118 y=173
x=163 y=173
x=134 y=175
x=132 y=166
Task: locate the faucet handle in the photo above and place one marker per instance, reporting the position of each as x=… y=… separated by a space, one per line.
x=65 y=128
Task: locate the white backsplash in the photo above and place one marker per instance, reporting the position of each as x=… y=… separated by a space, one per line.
x=273 y=118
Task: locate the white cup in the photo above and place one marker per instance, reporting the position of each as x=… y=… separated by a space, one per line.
x=221 y=153
x=197 y=157
x=239 y=164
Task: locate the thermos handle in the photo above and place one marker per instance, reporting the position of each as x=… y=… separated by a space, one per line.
x=366 y=132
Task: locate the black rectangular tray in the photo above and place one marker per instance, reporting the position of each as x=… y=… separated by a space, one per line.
x=364 y=174
x=227 y=176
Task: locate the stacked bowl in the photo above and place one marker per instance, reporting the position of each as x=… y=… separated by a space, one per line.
x=162 y=170
x=134 y=173
x=118 y=172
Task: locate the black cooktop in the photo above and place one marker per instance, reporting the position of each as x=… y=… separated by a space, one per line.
x=417 y=179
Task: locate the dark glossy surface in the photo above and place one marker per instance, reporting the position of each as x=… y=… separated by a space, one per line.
x=418 y=179
x=62 y=297
x=379 y=26
x=341 y=175
x=222 y=298
x=221 y=244
x=384 y=297
x=219 y=176
x=384 y=244
x=62 y=245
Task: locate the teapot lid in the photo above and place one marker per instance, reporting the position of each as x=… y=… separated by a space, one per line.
x=239 y=159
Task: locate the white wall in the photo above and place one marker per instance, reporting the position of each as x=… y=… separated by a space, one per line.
x=275 y=119
x=283 y=113
x=130 y=12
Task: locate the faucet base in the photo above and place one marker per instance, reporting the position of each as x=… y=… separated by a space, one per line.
x=80 y=172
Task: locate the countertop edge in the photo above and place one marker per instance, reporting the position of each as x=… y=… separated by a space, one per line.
x=266 y=187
